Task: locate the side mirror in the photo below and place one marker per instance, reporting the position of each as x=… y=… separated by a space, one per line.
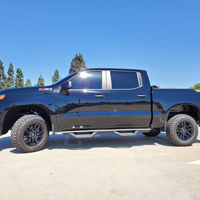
x=67 y=85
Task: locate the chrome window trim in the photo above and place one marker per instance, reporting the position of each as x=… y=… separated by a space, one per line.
x=104 y=80
x=139 y=78
x=109 y=82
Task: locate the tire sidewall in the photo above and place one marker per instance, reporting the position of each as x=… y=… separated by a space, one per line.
x=20 y=129
x=192 y=122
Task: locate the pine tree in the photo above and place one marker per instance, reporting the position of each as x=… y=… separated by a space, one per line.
x=56 y=76
x=77 y=63
x=2 y=76
x=19 y=81
x=10 y=77
x=28 y=83
x=40 y=81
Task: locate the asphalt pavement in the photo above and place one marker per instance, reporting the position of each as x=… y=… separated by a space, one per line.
x=101 y=168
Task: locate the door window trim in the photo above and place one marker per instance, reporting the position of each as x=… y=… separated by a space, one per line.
x=109 y=81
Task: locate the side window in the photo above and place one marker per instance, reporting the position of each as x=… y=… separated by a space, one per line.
x=124 y=80
x=87 y=80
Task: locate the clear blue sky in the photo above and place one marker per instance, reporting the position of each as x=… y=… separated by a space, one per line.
x=160 y=36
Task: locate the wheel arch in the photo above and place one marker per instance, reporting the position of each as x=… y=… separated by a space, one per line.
x=18 y=111
x=185 y=108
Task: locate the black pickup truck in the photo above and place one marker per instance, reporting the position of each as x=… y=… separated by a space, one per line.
x=92 y=101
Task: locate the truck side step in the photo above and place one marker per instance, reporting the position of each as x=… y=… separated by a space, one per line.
x=130 y=133
x=83 y=135
x=91 y=133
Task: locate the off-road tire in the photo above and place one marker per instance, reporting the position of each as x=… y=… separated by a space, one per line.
x=153 y=133
x=29 y=133
x=182 y=130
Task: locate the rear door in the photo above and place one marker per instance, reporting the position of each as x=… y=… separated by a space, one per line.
x=129 y=101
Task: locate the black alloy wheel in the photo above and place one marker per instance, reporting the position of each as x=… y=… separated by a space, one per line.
x=182 y=130
x=29 y=133
x=33 y=135
x=185 y=130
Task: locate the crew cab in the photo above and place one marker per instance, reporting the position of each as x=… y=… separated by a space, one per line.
x=92 y=101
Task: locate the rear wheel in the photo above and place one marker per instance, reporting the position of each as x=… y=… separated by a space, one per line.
x=153 y=133
x=29 y=133
x=182 y=130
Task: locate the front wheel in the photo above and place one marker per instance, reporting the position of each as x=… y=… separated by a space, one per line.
x=29 y=133
x=182 y=130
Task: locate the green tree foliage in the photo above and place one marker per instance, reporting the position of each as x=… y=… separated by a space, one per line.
x=56 y=76
x=2 y=76
x=77 y=63
x=19 y=79
x=196 y=86
x=10 y=77
x=40 y=81
x=28 y=83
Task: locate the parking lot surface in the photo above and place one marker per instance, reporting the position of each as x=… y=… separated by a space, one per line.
x=104 y=167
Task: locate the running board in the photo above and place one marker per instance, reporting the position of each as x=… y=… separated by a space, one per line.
x=132 y=133
x=91 y=133
x=86 y=135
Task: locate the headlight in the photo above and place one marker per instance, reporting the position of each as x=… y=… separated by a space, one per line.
x=2 y=96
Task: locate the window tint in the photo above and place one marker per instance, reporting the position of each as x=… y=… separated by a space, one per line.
x=87 y=80
x=124 y=80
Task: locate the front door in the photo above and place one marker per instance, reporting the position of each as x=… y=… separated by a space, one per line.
x=84 y=106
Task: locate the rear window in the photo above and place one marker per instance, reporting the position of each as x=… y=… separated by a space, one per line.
x=124 y=80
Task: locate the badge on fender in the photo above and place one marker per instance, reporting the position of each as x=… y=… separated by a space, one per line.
x=45 y=89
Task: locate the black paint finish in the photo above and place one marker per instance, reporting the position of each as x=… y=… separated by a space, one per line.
x=105 y=108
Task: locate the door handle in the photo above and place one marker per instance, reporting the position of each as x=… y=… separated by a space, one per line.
x=141 y=95
x=99 y=96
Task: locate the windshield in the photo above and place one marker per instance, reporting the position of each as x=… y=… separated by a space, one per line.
x=65 y=78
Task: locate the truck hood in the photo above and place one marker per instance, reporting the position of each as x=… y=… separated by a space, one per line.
x=27 y=89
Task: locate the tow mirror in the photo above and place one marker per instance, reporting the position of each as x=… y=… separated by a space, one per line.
x=67 y=85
